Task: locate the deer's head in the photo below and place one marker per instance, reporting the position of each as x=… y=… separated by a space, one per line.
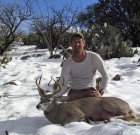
x=47 y=99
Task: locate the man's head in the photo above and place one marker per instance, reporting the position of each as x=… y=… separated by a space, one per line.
x=77 y=34
x=77 y=42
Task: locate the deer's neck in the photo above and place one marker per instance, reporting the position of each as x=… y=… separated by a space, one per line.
x=52 y=106
x=51 y=112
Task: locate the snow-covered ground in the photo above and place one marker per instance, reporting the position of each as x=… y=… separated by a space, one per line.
x=18 y=113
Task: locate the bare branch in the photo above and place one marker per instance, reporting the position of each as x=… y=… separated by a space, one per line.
x=11 y=17
x=51 y=28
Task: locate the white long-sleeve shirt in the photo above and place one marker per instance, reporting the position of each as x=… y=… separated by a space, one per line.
x=83 y=74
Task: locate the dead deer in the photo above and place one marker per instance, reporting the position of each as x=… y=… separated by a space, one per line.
x=94 y=108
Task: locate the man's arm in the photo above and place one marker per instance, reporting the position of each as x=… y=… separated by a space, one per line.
x=103 y=71
x=64 y=78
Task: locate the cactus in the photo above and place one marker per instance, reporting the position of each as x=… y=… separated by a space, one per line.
x=108 y=42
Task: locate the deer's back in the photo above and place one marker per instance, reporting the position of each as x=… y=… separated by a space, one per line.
x=94 y=106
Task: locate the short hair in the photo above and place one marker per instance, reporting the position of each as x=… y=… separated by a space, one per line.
x=77 y=34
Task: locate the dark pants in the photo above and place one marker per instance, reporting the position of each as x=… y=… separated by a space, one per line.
x=89 y=92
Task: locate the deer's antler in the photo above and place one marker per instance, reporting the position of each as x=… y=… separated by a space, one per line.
x=58 y=90
x=41 y=91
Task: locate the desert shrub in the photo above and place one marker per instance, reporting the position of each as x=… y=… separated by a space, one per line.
x=4 y=60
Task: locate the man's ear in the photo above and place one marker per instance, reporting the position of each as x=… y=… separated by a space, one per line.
x=84 y=42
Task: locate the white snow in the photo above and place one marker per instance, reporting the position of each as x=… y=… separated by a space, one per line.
x=18 y=113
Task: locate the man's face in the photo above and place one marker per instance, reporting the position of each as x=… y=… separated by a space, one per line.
x=77 y=44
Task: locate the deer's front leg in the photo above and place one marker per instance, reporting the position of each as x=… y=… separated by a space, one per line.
x=76 y=115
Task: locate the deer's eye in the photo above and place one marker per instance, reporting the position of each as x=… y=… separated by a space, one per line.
x=48 y=100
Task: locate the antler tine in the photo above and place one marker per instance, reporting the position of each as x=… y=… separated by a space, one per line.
x=56 y=90
x=40 y=90
x=40 y=79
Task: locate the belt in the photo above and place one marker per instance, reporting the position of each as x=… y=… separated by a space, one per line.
x=82 y=90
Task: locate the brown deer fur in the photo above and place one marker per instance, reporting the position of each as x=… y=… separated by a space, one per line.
x=95 y=108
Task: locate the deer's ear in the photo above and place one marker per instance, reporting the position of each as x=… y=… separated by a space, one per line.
x=57 y=100
x=62 y=99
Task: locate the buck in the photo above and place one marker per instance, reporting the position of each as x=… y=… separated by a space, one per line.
x=93 y=108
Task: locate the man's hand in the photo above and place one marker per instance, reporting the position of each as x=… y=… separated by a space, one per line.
x=96 y=94
x=101 y=91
